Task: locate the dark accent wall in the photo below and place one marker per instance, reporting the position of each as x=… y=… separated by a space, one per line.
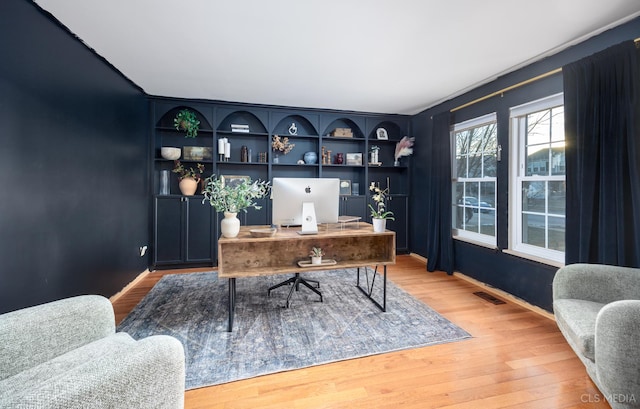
x=74 y=206
x=528 y=280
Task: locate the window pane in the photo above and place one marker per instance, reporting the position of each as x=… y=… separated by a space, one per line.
x=557 y=124
x=556 y=233
x=557 y=196
x=533 y=230
x=557 y=158
x=471 y=193
x=534 y=196
x=475 y=166
x=537 y=160
x=462 y=166
x=538 y=128
x=487 y=195
x=490 y=165
x=462 y=143
x=487 y=221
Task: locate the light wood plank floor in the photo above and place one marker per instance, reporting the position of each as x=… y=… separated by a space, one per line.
x=516 y=359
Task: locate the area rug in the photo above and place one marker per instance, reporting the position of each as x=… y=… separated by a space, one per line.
x=268 y=338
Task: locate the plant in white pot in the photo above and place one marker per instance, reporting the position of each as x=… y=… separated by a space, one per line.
x=233 y=198
x=379 y=214
x=189 y=178
x=316 y=255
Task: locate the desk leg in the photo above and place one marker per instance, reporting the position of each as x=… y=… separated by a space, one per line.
x=369 y=290
x=232 y=302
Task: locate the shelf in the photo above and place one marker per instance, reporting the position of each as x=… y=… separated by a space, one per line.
x=242 y=133
x=236 y=162
x=171 y=129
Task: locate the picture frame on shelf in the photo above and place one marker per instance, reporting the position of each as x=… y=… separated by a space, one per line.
x=197 y=153
x=233 y=180
x=354 y=159
x=345 y=187
x=382 y=134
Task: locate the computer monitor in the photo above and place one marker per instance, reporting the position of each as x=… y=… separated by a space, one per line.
x=289 y=195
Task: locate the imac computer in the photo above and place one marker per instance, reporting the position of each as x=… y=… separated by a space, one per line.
x=305 y=202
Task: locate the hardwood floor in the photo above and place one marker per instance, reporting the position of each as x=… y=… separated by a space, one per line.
x=516 y=359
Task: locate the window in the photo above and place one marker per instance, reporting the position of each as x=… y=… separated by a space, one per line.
x=474 y=179
x=538 y=179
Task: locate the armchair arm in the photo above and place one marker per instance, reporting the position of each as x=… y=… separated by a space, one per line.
x=34 y=335
x=596 y=282
x=617 y=348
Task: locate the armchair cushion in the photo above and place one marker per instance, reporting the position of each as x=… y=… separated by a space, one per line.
x=577 y=321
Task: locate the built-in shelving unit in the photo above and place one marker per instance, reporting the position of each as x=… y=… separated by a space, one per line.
x=178 y=237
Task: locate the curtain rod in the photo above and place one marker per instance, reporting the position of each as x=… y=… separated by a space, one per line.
x=518 y=85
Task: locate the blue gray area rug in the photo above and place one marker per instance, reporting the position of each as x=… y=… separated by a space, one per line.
x=268 y=338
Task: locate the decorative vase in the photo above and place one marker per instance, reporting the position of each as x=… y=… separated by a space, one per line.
x=316 y=260
x=396 y=162
x=276 y=158
x=310 y=158
x=230 y=225
x=188 y=186
x=379 y=225
x=339 y=158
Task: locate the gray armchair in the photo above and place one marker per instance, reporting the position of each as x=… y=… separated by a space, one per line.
x=597 y=309
x=66 y=354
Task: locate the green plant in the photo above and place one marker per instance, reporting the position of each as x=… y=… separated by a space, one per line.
x=316 y=252
x=380 y=197
x=234 y=198
x=186 y=120
x=183 y=172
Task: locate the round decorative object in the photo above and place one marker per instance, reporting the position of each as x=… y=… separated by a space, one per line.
x=188 y=186
x=170 y=153
x=293 y=129
x=230 y=225
x=310 y=158
x=379 y=225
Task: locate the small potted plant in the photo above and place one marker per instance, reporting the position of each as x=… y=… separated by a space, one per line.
x=316 y=255
x=379 y=214
x=189 y=178
x=230 y=199
x=186 y=120
x=280 y=145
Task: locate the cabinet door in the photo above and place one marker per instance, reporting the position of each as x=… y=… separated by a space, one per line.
x=168 y=238
x=353 y=206
x=199 y=231
x=255 y=217
x=399 y=205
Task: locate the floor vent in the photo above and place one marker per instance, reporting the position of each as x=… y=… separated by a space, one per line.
x=489 y=297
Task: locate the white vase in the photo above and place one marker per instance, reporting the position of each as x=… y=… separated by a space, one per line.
x=230 y=225
x=316 y=260
x=379 y=225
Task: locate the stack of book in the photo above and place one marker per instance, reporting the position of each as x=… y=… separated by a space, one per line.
x=239 y=128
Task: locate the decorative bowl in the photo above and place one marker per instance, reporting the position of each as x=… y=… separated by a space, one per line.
x=170 y=153
x=266 y=232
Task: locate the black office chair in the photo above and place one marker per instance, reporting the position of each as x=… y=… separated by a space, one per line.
x=295 y=282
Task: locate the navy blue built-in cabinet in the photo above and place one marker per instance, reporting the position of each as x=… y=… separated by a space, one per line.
x=185 y=230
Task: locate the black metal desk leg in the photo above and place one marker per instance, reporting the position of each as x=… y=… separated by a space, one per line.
x=232 y=302
x=371 y=284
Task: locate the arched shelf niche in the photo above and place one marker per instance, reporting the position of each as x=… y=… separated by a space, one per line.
x=394 y=132
x=303 y=125
x=166 y=121
x=242 y=118
x=344 y=123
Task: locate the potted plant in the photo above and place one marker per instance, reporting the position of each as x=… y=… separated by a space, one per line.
x=379 y=214
x=186 y=120
x=280 y=145
x=230 y=199
x=189 y=178
x=316 y=255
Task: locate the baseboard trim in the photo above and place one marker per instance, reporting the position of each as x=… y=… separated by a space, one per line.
x=129 y=286
x=497 y=292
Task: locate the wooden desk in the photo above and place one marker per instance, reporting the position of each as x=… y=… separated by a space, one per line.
x=357 y=246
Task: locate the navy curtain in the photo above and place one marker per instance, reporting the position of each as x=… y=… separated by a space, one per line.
x=439 y=239
x=602 y=131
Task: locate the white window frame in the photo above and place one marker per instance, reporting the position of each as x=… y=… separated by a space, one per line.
x=473 y=237
x=517 y=177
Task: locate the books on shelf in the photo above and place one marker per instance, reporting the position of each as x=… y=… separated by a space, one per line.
x=240 y=128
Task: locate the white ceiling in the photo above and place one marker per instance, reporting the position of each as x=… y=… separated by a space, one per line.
x=392 y=56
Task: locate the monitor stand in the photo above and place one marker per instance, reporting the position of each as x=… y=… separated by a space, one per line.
x=309 y=224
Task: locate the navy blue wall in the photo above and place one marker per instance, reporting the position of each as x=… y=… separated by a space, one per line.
x=523 y=278
x=73 y=165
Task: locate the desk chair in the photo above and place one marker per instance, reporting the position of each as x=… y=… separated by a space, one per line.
x=295 y=282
